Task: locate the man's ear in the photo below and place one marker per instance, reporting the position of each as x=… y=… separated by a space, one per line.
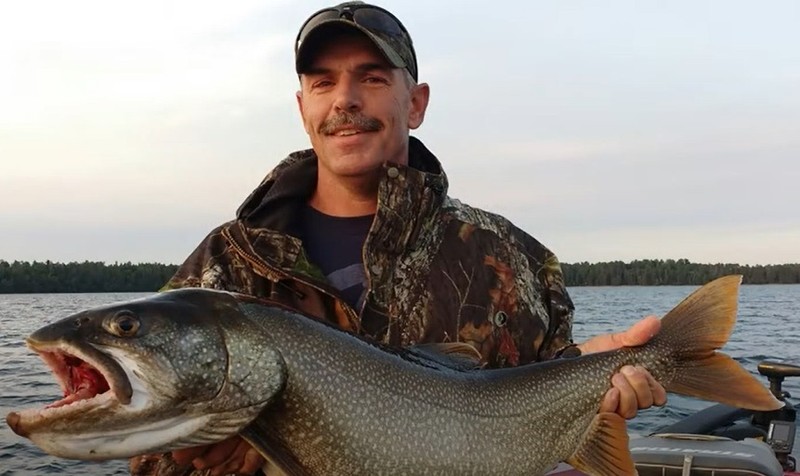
x=299 y=96
x=420 y=94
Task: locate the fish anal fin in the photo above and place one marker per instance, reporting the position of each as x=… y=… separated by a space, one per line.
x=604 y=449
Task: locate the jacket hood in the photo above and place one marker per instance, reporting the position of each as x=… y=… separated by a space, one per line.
x=274 y=203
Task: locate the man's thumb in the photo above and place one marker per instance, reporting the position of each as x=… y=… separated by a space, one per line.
x=641 y=332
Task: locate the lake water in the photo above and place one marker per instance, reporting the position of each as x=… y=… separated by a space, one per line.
x=768 y=329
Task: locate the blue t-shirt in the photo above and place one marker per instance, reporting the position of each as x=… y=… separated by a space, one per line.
x=335 y=245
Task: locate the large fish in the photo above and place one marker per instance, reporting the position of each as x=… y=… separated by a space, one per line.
x=194 y=366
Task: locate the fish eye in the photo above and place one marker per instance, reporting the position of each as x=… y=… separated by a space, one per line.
x=124 y=324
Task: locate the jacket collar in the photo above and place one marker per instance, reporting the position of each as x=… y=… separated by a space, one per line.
x=275 y=202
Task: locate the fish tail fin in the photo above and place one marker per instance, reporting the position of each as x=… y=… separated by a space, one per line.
x=693 y=331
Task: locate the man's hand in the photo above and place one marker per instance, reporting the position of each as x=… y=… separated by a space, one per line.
x=633 y=388
x=234 y=455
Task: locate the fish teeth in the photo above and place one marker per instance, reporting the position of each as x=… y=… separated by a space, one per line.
x=77 y=406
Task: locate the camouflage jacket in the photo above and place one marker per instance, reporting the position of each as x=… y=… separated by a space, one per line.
x=438 y=270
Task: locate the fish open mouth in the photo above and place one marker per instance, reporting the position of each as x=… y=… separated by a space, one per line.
x=79 y=379
x=88 y=378
x=84 y=373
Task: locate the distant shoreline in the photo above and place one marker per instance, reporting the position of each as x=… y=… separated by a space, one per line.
x=674 y=273
x=23 y=277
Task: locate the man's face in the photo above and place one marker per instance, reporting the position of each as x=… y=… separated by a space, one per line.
x=357 y=109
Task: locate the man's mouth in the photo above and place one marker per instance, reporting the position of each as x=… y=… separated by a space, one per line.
x=346 y=132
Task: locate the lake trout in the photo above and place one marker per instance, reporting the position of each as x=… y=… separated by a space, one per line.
x=194 y=366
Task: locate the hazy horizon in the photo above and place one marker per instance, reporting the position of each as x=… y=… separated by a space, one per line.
x=118 y=262
x=609 y=131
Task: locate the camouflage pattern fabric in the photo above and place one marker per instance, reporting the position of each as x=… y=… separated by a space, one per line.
x=438 y=269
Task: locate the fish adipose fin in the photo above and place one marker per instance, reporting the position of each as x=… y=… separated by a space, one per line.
x=694 y=330
x=604 y=451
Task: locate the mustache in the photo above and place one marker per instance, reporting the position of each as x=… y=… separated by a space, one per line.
x=355 y=119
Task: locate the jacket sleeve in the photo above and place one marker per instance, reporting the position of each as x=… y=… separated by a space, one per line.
x=560 y=308
x=552 y=294
x=207 y=266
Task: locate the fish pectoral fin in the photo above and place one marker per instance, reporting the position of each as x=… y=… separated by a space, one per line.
x=604 y=450
x=260 y=437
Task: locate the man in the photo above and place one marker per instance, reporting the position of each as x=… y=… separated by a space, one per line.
x=359 y=230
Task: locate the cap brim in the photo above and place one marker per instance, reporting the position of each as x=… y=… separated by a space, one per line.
x=305 y=51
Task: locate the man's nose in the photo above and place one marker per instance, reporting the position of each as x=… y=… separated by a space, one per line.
x=348 y=97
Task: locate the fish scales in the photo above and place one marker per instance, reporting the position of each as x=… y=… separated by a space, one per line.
x=448 y=416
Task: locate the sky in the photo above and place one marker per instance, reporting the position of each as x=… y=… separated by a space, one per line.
x=615 y=130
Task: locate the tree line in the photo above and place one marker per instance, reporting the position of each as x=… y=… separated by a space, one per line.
x=674 y=272
x=94 y=276
x=85 y=277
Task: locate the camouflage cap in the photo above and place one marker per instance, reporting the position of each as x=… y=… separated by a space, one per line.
x=379 y=25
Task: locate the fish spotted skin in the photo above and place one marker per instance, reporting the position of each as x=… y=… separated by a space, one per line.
x=349 y=406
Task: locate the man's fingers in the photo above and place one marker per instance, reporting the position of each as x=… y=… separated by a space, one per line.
x=145 y=464
x=637 y=378
x=627 y=397
x=234 y=455
x=234 y=461
x=648 y=391
x=633 y=388
x=610 y=401
x=253 y=461
x=638 y=334
x=641 y=332
x=217 y=454
x=658 y=391
x=187 y=455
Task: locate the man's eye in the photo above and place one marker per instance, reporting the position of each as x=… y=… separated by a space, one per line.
x=322 y=84
x=375 y=79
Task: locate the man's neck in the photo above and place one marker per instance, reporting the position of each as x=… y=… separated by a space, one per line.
x=346 y=198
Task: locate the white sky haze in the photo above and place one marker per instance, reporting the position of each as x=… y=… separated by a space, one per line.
x=607 y=130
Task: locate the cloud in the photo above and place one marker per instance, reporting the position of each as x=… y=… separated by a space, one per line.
x=129 y=130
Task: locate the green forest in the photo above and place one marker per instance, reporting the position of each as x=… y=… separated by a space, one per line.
x=85 y=277
x=673 y=272
x=93 y=276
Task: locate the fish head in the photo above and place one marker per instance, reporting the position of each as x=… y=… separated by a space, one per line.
x=178 y=369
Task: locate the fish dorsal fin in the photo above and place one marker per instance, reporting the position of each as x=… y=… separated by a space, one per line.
x=604 y=449
x=455 y=355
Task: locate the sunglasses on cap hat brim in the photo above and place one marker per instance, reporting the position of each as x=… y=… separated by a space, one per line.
x=379 y=25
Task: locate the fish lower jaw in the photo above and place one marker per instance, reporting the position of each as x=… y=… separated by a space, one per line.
x=111 y=440
x=31 y=420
